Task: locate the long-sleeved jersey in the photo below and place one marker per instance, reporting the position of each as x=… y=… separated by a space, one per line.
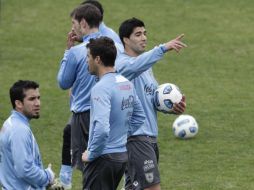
x=20 y=160
x=139 y=71
x=115 y=110
x=74 y=74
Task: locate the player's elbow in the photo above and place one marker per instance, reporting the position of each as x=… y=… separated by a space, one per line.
x=64 y=84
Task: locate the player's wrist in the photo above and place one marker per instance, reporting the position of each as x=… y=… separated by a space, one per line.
x=163 y=48
x=48 y=178
x=91 y=156
x=50 y=175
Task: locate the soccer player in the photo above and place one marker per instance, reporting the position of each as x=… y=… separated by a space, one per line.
x=20 y=160
x=114 y=108
x=73 y=74
x=66 y=169
x=103 y=29
x=136 y=65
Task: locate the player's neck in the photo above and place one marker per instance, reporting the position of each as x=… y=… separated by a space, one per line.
x=130 y=52
x=106 y=70
x=91 y=30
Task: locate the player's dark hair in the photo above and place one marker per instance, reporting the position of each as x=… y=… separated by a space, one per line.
x=17 y=91
x=88 y=12
x=105 y=48
x=96 y=4
x=128 y=26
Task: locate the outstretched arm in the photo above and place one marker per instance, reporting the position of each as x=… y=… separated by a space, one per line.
x=132 y=67
x=175 y=44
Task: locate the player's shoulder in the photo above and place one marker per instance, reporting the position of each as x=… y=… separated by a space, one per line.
x=78 y=51
x=120 y=78
x=100 y=86
x=78 y=48
x=14 y=127
x=106 y=83
x=122 y=58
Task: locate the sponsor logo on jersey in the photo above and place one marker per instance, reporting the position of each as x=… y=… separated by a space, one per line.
x=127 y=103
x=149 y=89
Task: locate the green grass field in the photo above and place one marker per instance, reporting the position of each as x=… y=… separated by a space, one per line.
x=215 y=73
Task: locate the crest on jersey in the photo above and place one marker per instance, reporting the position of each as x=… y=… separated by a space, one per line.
x=149 y=177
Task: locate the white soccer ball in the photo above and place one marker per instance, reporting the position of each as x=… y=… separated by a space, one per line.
x=185 y=126
x=165 y=96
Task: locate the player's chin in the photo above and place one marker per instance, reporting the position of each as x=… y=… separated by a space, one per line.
x=36 y=116
x=143 y=47
x=141 y=50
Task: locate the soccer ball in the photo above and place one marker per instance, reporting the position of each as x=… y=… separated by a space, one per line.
x=185 y=126
x=165 y=96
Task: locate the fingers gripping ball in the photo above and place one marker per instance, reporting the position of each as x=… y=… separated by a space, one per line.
x=165 y=96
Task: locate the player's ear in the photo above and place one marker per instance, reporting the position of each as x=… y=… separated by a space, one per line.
x=18 y=104
x=125 y=40
x=83 y=23
x=97 y=59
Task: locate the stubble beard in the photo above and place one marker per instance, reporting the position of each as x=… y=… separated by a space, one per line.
x=32 y=116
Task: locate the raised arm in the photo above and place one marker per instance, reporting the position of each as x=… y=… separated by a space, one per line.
x=132 y=67
x=67 y=72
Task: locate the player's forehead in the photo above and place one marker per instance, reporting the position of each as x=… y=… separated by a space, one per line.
x=74 y=21
x=31 y=92
x=139 y=30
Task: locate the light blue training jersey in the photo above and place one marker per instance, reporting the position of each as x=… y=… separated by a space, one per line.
x=20 y=160
x=74 y=74
x=115 y=110
x=139 y=71
x=108 y=32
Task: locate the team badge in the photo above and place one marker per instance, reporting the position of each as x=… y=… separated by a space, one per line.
x=149 y=177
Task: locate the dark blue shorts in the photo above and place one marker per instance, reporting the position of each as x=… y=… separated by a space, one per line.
x=79 y=137
x=105 y=172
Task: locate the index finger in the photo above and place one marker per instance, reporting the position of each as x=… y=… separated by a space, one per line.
x=180 y=37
